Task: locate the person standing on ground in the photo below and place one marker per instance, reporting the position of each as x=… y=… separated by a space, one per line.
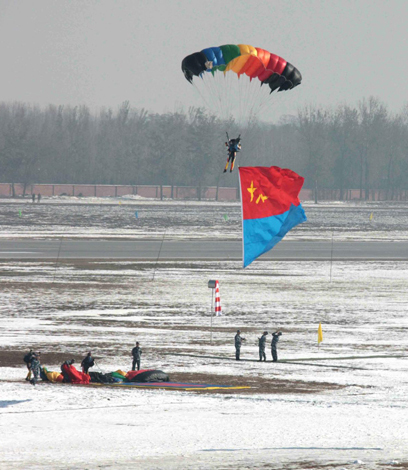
x=87 y=362
x=238 y=342
x=35 y=366
x=27 y=359
x=262 y=342
x=33 y=197
x=137 y=354
x=38 y=197
x=275 y=339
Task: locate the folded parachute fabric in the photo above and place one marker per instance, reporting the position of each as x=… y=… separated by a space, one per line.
x=71 y=375
x=98 y=377
x=120 y=375
x=148 y=375
x=51 y=376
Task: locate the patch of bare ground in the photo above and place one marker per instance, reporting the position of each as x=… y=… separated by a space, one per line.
x=303 y=465
x=258 y=385
x=310 y=465
x=395 y=465
x=57 y=286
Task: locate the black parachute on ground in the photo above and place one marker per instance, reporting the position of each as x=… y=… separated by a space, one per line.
x=99 y=378
x=150 y=376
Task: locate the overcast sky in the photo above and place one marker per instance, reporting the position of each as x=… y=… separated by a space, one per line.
x=102 y=53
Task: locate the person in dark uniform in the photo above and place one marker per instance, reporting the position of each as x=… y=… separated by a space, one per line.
x=137 y=354
x=234 y=146
x=262 y=342
x=275 y=339
x=27 y=359
x=87 y=362
x=35 y=367
x=238 y=342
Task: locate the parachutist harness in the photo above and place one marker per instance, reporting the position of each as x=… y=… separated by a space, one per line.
x=234 y=146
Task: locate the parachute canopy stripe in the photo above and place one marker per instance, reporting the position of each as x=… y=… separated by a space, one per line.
x=243 y=59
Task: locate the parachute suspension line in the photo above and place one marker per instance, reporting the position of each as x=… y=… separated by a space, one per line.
x=242 y=99
x=199 y=92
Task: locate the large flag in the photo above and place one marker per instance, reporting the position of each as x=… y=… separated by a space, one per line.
x=319 y=334
x=218 y=312
x=270 y=208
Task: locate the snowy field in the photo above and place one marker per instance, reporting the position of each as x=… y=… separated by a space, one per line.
x=343 y=405
x=116 y=218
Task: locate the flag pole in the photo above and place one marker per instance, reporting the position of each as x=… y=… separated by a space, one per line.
x=242 y=218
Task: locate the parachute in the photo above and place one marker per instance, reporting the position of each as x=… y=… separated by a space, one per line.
x=147 y=375
x=232 y=78
x=74 y=376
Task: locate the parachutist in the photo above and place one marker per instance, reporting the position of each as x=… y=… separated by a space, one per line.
x=27 y=359
x=238 y=342
x=136 y=354
x=35 y=366
x=275 y=339
x=234 y=146
x=87 y=362
x=261 y=343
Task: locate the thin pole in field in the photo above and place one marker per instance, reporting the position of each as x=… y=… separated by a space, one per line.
x=56 y=263
x=331 y=256
x=158 y=256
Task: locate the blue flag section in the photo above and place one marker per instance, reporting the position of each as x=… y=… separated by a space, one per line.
x=261 y=235
x=270 y=208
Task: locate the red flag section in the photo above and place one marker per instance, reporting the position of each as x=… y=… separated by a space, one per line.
x=268 y=191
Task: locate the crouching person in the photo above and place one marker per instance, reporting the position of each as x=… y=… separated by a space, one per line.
x=65 y=367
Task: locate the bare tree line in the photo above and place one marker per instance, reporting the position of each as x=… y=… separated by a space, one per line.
x=362 y=147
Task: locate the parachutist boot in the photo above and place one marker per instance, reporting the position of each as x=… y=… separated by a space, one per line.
x=225 y=171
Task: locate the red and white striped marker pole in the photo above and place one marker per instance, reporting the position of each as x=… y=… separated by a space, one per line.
x=218 y=312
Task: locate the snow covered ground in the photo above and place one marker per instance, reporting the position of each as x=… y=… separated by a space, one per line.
x=348 y=411
x=116 y=218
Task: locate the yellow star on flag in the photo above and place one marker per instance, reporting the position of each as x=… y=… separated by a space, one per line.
x=261 y=196
x=252 y=190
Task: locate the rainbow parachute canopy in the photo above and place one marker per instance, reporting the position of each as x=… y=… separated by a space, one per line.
x=242 y=59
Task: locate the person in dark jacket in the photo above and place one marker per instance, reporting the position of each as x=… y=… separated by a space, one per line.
x=234 y=146
x=27 y=359
x=35 y=366
x=238 y=342
x=137 y=354
x=275 y=339
x=262 y=343
x=87 y=362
